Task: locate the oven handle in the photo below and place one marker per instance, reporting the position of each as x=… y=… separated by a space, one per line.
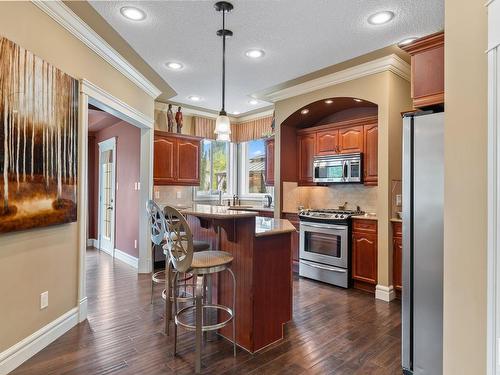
x=321 y=267
x=324 y=226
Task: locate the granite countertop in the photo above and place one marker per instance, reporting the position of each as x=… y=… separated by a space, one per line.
x=266 y=226
x=216 y=212
x=396 y=220
x=252 y=208
x=365 y=217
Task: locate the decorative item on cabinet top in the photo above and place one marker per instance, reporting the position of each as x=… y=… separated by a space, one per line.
x=176 y=159
x=38 y=141
x=346 y=137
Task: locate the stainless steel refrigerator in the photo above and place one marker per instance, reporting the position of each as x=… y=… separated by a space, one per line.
x=422 y=296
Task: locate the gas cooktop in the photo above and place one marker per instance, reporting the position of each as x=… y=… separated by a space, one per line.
x=328 y=214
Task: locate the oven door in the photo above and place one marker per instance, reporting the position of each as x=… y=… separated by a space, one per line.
x=324 y=243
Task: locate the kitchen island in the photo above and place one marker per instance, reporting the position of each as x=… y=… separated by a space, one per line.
x=262 y=266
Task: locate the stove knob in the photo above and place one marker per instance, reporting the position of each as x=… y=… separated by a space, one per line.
x=336 y=215
x=341 y=216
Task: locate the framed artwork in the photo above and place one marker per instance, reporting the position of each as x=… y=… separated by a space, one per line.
x=38 y=141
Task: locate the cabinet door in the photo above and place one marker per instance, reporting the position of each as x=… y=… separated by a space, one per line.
x=188 y=162
x=306 y=145
x=269 y=162
x=397 y=263
x=327 y=142
x=164 y=162
x=371 y=154
x=428 y=77
x=351 y=140
x=364 y=257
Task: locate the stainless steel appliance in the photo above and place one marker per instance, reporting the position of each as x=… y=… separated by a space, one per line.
x=338 y=168
x=422 y=296
x=324 y=248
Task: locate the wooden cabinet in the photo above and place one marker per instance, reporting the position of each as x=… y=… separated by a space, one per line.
x=346 y=137
x=370 y=159
x=306 y=144
x=176 y=159
x=327 y=142
x=351 y=140
x=427 y=70
x=294 y=219
x=269 y=174
x=364 y=254
x=397 y=256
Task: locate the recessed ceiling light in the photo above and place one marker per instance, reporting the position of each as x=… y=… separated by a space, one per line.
x=305 y=111
x=174 y=65
x=329 y=101
x=253 y=102
x=358 y=100
x=194 y=98
x=134 y=14
x=255 y=53
x=381 y=17
x=406 y=41
x=236 y=113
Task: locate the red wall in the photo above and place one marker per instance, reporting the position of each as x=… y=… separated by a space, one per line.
x=127 y=174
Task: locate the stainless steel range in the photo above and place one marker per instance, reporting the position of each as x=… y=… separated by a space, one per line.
x=325 y=245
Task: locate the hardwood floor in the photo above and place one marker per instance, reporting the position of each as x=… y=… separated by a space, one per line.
x=334 y=331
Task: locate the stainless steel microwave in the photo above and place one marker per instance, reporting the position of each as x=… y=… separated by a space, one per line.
x=338 y=168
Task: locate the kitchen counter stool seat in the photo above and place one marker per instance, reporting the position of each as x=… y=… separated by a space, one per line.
x=200 y=264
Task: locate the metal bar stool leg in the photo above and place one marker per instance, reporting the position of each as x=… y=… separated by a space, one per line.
x=168 y=295
x=234 y=310
x=174 y=284
x=199 y=321
x=152 y=271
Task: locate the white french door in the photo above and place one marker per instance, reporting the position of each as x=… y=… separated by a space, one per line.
x=107 y=187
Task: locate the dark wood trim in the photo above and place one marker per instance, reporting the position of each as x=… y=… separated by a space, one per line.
x=424 y=43
x=177 y=135
x=341 y=124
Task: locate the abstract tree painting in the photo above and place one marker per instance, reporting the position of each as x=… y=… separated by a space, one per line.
x=38 y=141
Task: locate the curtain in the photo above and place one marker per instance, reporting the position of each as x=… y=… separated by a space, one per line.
x=240 y=132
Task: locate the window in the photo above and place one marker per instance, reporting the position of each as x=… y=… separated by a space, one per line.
x=215 y=167
x=253 y=167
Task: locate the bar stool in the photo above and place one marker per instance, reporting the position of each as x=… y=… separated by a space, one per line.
x=158 y=238
x=200 y=264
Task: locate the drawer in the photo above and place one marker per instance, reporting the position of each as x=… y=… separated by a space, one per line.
x=397 y=229
x=365 y=226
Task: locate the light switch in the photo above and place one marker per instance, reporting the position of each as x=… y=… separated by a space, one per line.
x=44 y=300
x=179 y=195
x=399 y=200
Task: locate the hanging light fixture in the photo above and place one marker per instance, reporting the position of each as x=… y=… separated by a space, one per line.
x=222 y=123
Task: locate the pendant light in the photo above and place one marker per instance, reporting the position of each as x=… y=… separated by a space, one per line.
x=222 y=123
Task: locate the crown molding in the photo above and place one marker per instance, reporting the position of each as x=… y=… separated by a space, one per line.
x=75 y=25
x=161 y=106
x=392 y=63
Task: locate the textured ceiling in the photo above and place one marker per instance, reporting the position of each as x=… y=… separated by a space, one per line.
x=298 y=36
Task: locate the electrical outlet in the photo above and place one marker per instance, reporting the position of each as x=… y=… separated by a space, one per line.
x=138 y=186
x=399 y=200
x=135 y=244
x=117 y=186
x=179 y=195
x=44 y=300
x=157 y=194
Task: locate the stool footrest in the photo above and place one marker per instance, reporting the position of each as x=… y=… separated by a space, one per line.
x=187 y=297
x=204 y=328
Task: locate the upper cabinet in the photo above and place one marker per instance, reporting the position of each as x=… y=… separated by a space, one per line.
x=327 y=142
x=427 y=70
x=347 y=137
x=306 y=144
x=269 y=175
x=351 y=140
x=176 y=159
x=370 y=136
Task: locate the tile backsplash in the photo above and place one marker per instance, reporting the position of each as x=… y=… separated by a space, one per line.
x=181 y=196
x=330 y=197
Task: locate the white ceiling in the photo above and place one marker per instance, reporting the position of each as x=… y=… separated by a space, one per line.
x=298 y=36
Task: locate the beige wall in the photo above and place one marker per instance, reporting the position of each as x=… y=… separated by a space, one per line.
x=465 y=187
x=47 y=259
x=392 y=95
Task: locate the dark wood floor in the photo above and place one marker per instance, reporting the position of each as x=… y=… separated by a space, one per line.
x=334 y=331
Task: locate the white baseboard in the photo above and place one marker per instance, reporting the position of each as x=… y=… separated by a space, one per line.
x=127 y=258
x=14 y=356
x=82 y=310
x=385 y=293
x=92 y=242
